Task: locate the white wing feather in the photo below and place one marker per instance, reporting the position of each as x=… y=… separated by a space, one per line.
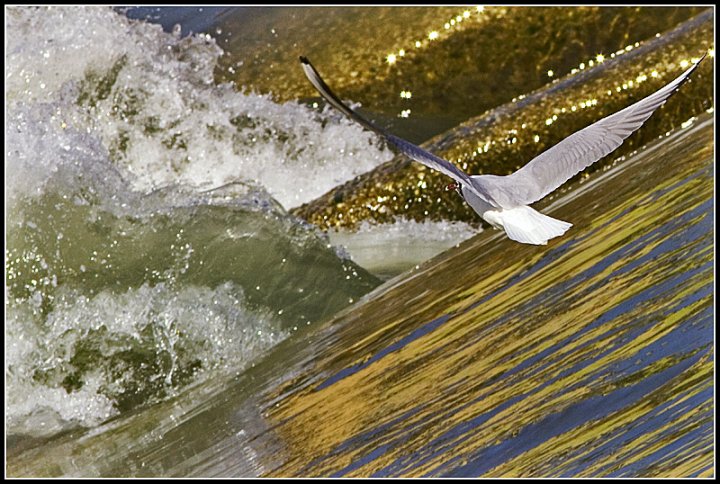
x=412 y=151
x=553 y=167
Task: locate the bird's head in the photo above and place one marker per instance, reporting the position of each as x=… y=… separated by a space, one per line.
x=453 y=186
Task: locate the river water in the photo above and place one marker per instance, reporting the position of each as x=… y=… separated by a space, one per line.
x=167 y=316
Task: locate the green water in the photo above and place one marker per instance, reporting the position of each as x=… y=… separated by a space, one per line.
x=181 y=331
x=589 y=357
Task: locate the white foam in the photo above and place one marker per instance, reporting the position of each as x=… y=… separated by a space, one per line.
x=389 y=249
x=48 y=46
x=211 y=326
x=160 y=121
x=163 y=119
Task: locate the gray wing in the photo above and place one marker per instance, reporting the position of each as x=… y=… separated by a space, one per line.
x=412 y=151
x=553 y=167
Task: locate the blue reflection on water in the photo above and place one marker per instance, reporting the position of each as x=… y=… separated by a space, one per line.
x=191 y=19
x=683 y=345
x=558 y=423
x=421 y=331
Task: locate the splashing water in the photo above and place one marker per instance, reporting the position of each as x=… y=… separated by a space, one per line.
x=148 y=244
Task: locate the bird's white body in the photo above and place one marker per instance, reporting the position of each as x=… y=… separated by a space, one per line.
x=521 y=224
x=488 y=212
x=503 y=201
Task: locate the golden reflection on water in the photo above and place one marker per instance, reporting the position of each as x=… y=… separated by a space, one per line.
x=507 y=138
x=372 y=53
x=582 y=333
x=589 y=357
x=432 y=382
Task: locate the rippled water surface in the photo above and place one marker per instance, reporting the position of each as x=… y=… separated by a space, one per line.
x=171 y=310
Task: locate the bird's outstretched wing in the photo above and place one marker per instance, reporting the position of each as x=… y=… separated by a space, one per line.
x=553 y=167
x=412 y=151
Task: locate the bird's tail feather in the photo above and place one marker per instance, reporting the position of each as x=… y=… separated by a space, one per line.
x=523 y=224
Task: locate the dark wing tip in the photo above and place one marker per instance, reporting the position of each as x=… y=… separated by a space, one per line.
x=697 y=63
x=304 y=59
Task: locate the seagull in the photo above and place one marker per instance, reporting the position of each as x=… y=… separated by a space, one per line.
x=503 y=201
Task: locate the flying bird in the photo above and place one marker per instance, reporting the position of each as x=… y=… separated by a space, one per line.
x=503 y=201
